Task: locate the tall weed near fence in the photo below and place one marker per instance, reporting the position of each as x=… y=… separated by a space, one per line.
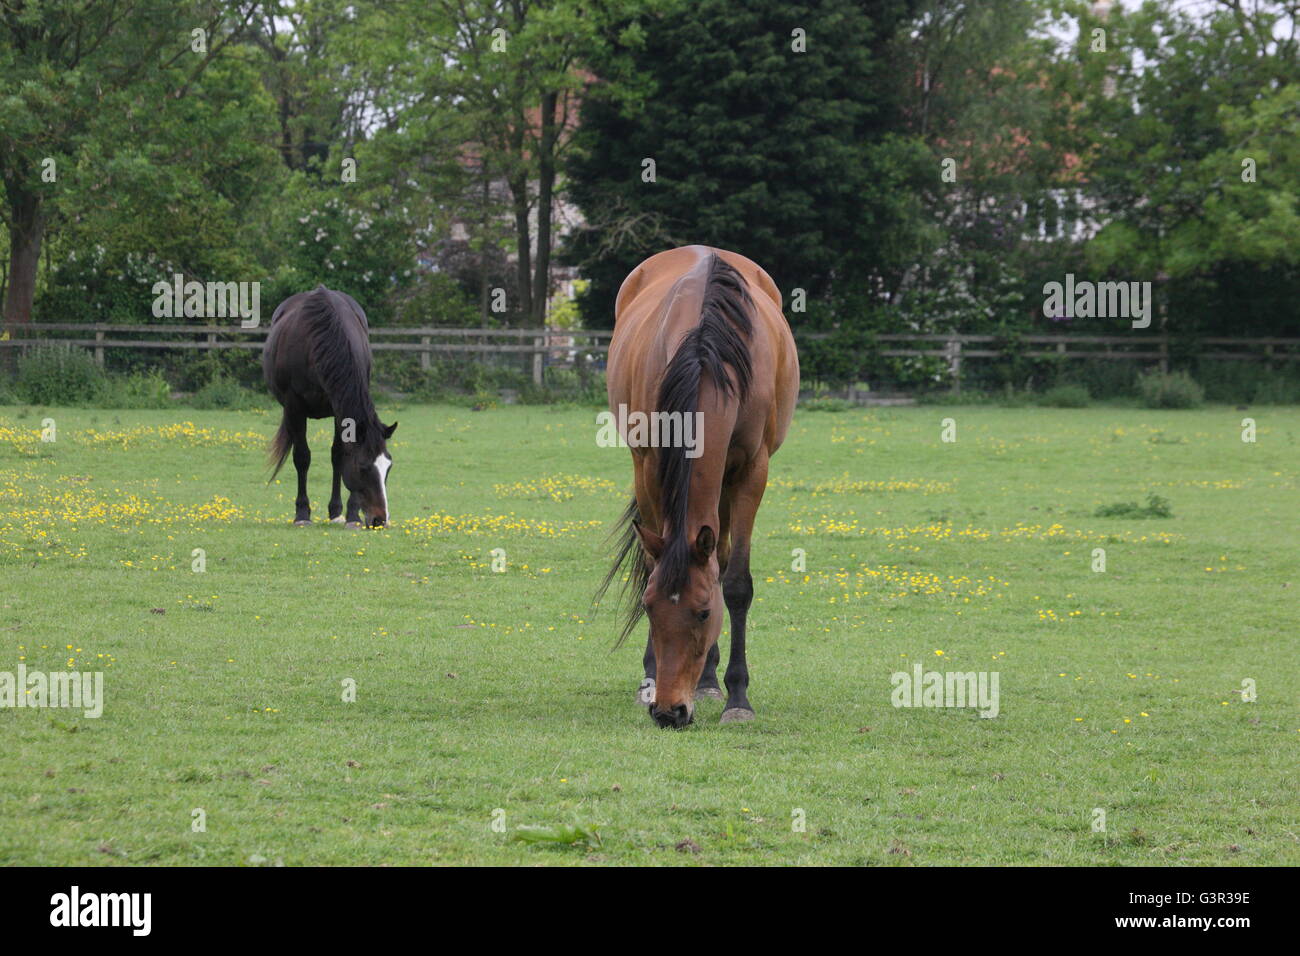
x=54 y=374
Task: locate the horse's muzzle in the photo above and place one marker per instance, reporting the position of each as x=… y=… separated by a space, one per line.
x=675 y=717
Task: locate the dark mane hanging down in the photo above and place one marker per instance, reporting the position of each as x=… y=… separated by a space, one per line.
x=718 y=341
x=345 y=380
x=631 y=557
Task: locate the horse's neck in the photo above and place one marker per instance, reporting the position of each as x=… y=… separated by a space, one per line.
x=354 y=403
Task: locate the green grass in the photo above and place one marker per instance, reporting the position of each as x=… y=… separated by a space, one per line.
x=480 y=691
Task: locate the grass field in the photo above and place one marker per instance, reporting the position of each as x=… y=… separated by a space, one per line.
x=485 y=696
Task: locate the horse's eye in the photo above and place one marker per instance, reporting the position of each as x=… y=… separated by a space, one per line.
x=702 y=615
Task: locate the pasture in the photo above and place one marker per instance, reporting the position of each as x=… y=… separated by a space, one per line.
x=480 y=691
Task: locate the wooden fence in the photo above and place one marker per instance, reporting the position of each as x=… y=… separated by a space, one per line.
x=566 y=347
x=955 y=348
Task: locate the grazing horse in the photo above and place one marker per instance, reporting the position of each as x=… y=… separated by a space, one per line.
x=317 y=363
x=700 y=344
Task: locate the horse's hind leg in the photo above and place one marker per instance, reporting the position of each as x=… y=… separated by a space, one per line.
x=708 y=684
x=336 y=460
x=301 y=463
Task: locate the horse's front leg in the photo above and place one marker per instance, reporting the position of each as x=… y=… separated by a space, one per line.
x=645 y=694
x=708 y=686
x=336 y=491
x=354 y=512
x=738 y=589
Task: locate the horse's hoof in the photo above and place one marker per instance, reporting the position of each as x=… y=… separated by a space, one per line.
x=337 y=519
x=302 y=523
x=354 y=524
x=736 y=715
x=645 y=694
x=714 y=693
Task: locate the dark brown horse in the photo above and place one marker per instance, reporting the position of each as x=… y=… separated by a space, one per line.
x=317 y=364
x=699 y=335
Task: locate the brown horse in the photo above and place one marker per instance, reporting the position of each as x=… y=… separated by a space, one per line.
x=317 y=363
x=700 y=346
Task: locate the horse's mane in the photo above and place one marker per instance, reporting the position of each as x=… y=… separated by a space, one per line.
x=719 y=340
x=345 y=380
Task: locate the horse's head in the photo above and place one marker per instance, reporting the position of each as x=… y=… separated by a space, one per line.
x=365 y=472
x=683 y=600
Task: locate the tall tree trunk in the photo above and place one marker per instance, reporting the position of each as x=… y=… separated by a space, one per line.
x=545 y=192
x=26 y=229
x=523 y=236
x=484 y=290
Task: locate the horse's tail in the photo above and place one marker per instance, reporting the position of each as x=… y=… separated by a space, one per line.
x=280 y=446
x=630 y=559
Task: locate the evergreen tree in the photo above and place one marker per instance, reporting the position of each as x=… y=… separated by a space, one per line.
x=769 y=127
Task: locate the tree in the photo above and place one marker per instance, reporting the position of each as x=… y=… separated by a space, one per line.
x=64 y=68
x=975 y=88
x=769 y=127
x=1196 y=180
x=512 y=71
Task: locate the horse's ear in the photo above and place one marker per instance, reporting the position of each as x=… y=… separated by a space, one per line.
x=653 y=543
x=388 y=430
x=705 y=542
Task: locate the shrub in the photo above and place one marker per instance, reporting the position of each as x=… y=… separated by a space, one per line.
x=401 y=371
x=1275 y=389
x=1011 y=397
x=1103 y=379
x=54 y=374
x=224 y=392
x=582 y=387
x=137 y=390
x=1170 y=390
x=1066 y=396
x=1156 y=507
x=823 y=404
x=1249 y=382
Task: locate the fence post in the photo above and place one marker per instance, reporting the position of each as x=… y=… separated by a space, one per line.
x=1164 y=354
x=954 y=364
x=540 y=344
x=99 y=347
x=424 y=356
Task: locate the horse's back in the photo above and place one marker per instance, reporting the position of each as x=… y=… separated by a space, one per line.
x=661 y=299
x=288 y=362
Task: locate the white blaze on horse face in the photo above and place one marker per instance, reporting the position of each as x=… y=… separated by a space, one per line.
x=382 y=464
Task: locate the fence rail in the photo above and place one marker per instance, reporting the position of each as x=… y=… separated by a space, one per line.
x=559 y=346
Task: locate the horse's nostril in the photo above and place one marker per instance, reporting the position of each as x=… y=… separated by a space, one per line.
x=677 y=717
